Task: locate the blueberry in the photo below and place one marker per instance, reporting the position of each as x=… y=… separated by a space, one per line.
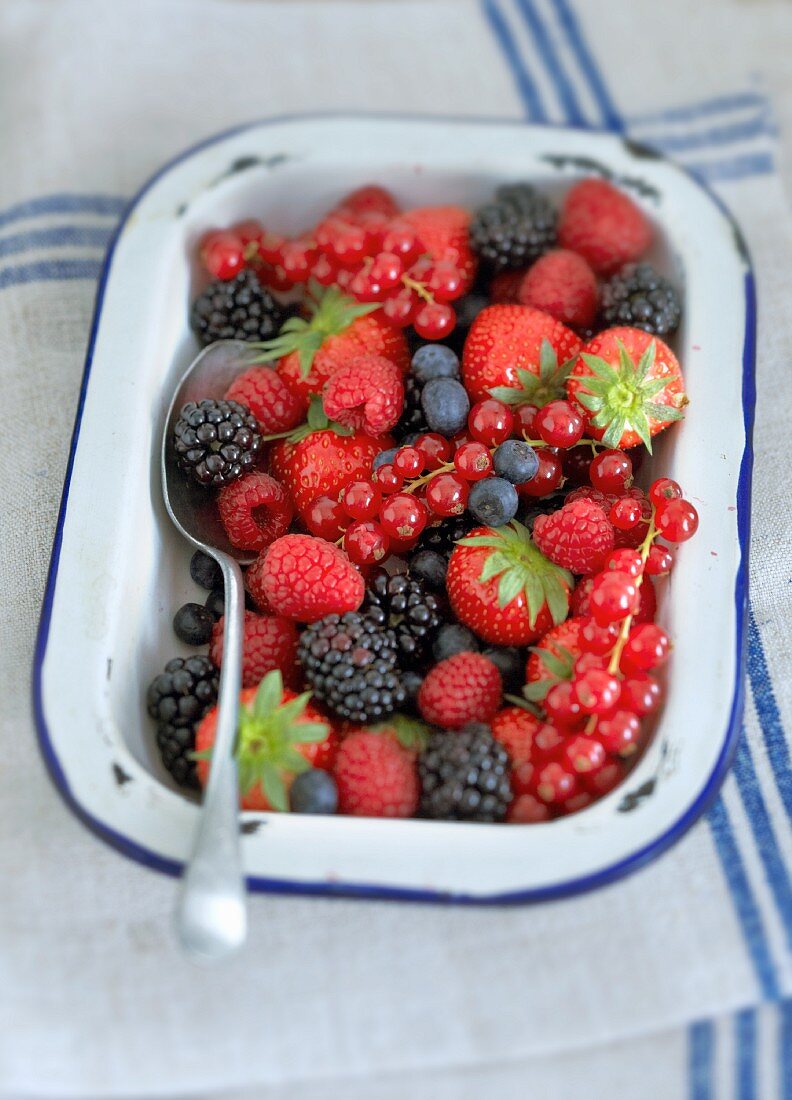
x=383 y=458
x=215 y=603
x=430 y=566
x=435 y=361
x=510 y=663
x=193 y=624
x=493 y=501
x=313 y=792
x=446 y=405
x=454 y=638
x=205 y=571
x=515 y=461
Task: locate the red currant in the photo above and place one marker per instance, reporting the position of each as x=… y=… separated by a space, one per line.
x=388 y=478
x=547 y=478
x=401 y=240
x=403 y=517
x=473 y=461
x=597 y=639
x=362 y=499
x=460 y=439
x=576 y=803
x=526 y=809
x=490 y=422
x=597 y=691
x=677 y=520
x=646 y=648
x=576 y=462
x=624 y=560
x=625 y=513
x=583 y=754
x=447 y=494
x=400 y=308
x=249 y=232
x=561 y=707
x=559 y=424
x=366 y=543
x=619 y=733
x=445 y=282
x=408 y=461
x=640 y=693
x=326 y=518
x=436 y=450
x=547 y=744
x=222 y=254
x=611 y=471
x=602 y=782
x=324 y=271
x=434 y=320
x=386 y=270
x=614 y=596
x=297 y=259
x=270 y=247
x=663 y=490
x=556 y=784
x=659 y=561
x=524 y=421
x=344 y=242
x=364 y=287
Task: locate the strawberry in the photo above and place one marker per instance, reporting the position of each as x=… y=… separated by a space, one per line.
x=562 y=284
x=323 y=463
x=603 y=225
x=271 y=400
x=306 y=578
x=366 y=393
x=518 y=355
x=515 y=728
x=552 y=659
x=279 y=735
x=443 y=232
x=376 y=775
x=629 y=385
x=461 y=689
x=310 y=350
x=254 y=510
x=268 y=642
x=503 y=587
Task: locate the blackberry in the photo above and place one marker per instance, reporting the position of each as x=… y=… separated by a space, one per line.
x=216 y=441
x=513 y=230
x=412 y=418
x=236 y=309
x=177 y=700
x=403 y=604
x=350 y=663
x=443 y=537
x=640 y=297
x=464 y=775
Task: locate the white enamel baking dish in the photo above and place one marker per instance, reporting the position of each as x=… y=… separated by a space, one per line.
x=119 y=570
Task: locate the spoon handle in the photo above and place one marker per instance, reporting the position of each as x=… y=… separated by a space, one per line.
x=211 y=911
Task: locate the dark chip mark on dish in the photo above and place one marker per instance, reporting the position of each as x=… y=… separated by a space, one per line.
x=121 y=777
x=633 y=799
x=589 y=165
x=248 y=828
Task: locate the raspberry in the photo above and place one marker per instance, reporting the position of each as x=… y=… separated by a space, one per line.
x=562 y=284
x=603 y=225
x=268 y=642
x=505 y=287
x=577 y=537
x=365 y=393
x=515 y=728
x=376 y=777
x=253 y=583
x=255 y=510
x=463 y=688
x=271 y=400
x=305 y=578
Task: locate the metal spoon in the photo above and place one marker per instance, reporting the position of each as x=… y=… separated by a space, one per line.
x=211 y=911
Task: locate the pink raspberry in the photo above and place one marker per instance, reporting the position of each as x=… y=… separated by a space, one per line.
x=578 y=537
x=562 y=284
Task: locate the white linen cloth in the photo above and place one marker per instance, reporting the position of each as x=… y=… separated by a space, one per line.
x=671 y=983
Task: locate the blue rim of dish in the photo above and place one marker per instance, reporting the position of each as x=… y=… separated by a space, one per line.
x=372 y=891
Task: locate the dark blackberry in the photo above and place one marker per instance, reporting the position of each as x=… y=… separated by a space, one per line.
x=350 y=663
x=216 y=441
x=513 y=230
x=640 y=297
x=464 y=775
x=403 y=604
x=443 y=537
x=177 y=700
x=412 y=418
x=236 y=309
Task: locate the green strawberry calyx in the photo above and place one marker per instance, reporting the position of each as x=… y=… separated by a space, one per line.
x=411 y=733
x=560 y=665
x=522 y=567
x=316 y=420
x=267 y=733
x=330 y=313
x=620 y=398
x=538 y=389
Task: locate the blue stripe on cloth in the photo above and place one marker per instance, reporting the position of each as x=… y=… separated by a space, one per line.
x=568 y=21
x=686 y=112
x=50 y=270
x=785 y=1050
x=735 y=168
x=547 y=51
x=701 y=1056
x=769 y=715
x=766 y=841
x=529 y=93
x=59 y=236
x=744 y=901
x=718 y=135
x=102 y=205
x=745 y=1055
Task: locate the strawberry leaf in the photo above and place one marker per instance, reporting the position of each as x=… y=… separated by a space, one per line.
x=540 y=387
x=269 y=694
x=410 y=732
x=274 y=788
x=560 y=666
x=537 y=690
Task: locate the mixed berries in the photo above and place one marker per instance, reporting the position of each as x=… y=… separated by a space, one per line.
x=429 y=461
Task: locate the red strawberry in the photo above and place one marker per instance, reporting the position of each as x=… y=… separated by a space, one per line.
x=629 y=385
x=517 y=354
x=443 y=232
x=279 y=735
x=515 y=728
x=603 y=225
x=305 y=578
x=271 y=400
x=562 y=284
x=366 y=393
x=554 y=655
x=375 y=776
x=370 y=199
x=324 y=463
x=255 y=510
x=461 y=689
x=503 y=587
x=268 y=642
x=580 y=602
x=311 y=350
x=505 y=287
x=578 y=536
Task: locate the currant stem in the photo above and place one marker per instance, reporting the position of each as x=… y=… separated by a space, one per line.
x=444 y=469
x=419 y=288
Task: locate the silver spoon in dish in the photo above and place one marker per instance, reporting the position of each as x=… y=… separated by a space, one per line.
x=211 y=911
